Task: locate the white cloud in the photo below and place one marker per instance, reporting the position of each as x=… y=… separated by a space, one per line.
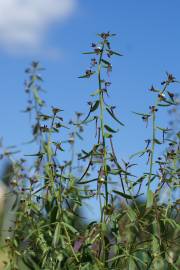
x=24 y=23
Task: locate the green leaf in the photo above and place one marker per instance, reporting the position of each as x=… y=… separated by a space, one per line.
x=150 y=197
x=124 y=195
x=115 y=171
x=163 y=129
x=29 y=262
x=108 y=128
x=132 y=265
x=79 y=136
x=86 y=75
x=95 y=106
x=107 y=135
x=157 y=141
x=141 y=261
x=172 y=222
x=115 y=53
x=56 y=235
x=131 y=214
x=88 y=120
x=114 y=117
x=95 y=93
x=142 y=114
x=88 y=53
x=35 y=155
x=116 y=258
x=88 y=181
x=106 y=62
x=139 y=181
x=139 y=153
x=86 y=154
x=164 y=105
x=155 y=244
x=70 y=228
x=83 y=76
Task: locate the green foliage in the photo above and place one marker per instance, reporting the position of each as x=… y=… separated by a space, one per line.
x=49 y=231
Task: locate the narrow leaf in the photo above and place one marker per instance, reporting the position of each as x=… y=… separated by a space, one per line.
x=88 y=53
x=95 y=106
x=157 y=141
x=139 y=153
x=108 y=128
x=142 y=114
x=95 y=93
x=132 y=214
x=124 y=195
x=56 y=235
x=114 y=117
x=106 y=62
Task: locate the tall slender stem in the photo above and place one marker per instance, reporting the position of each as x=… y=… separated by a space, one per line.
x=102 y=124
x=153 y=146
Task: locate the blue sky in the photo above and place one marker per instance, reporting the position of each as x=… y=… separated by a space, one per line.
x=55 y=32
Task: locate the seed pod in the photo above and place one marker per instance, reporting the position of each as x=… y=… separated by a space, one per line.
x=101 y=180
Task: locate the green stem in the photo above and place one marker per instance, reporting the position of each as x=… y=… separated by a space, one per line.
x=102 y=124
x=154 y=135
x=70 y=245
x=153 y=147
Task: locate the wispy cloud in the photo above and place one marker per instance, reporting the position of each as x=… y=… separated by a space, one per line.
x=24 y=23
